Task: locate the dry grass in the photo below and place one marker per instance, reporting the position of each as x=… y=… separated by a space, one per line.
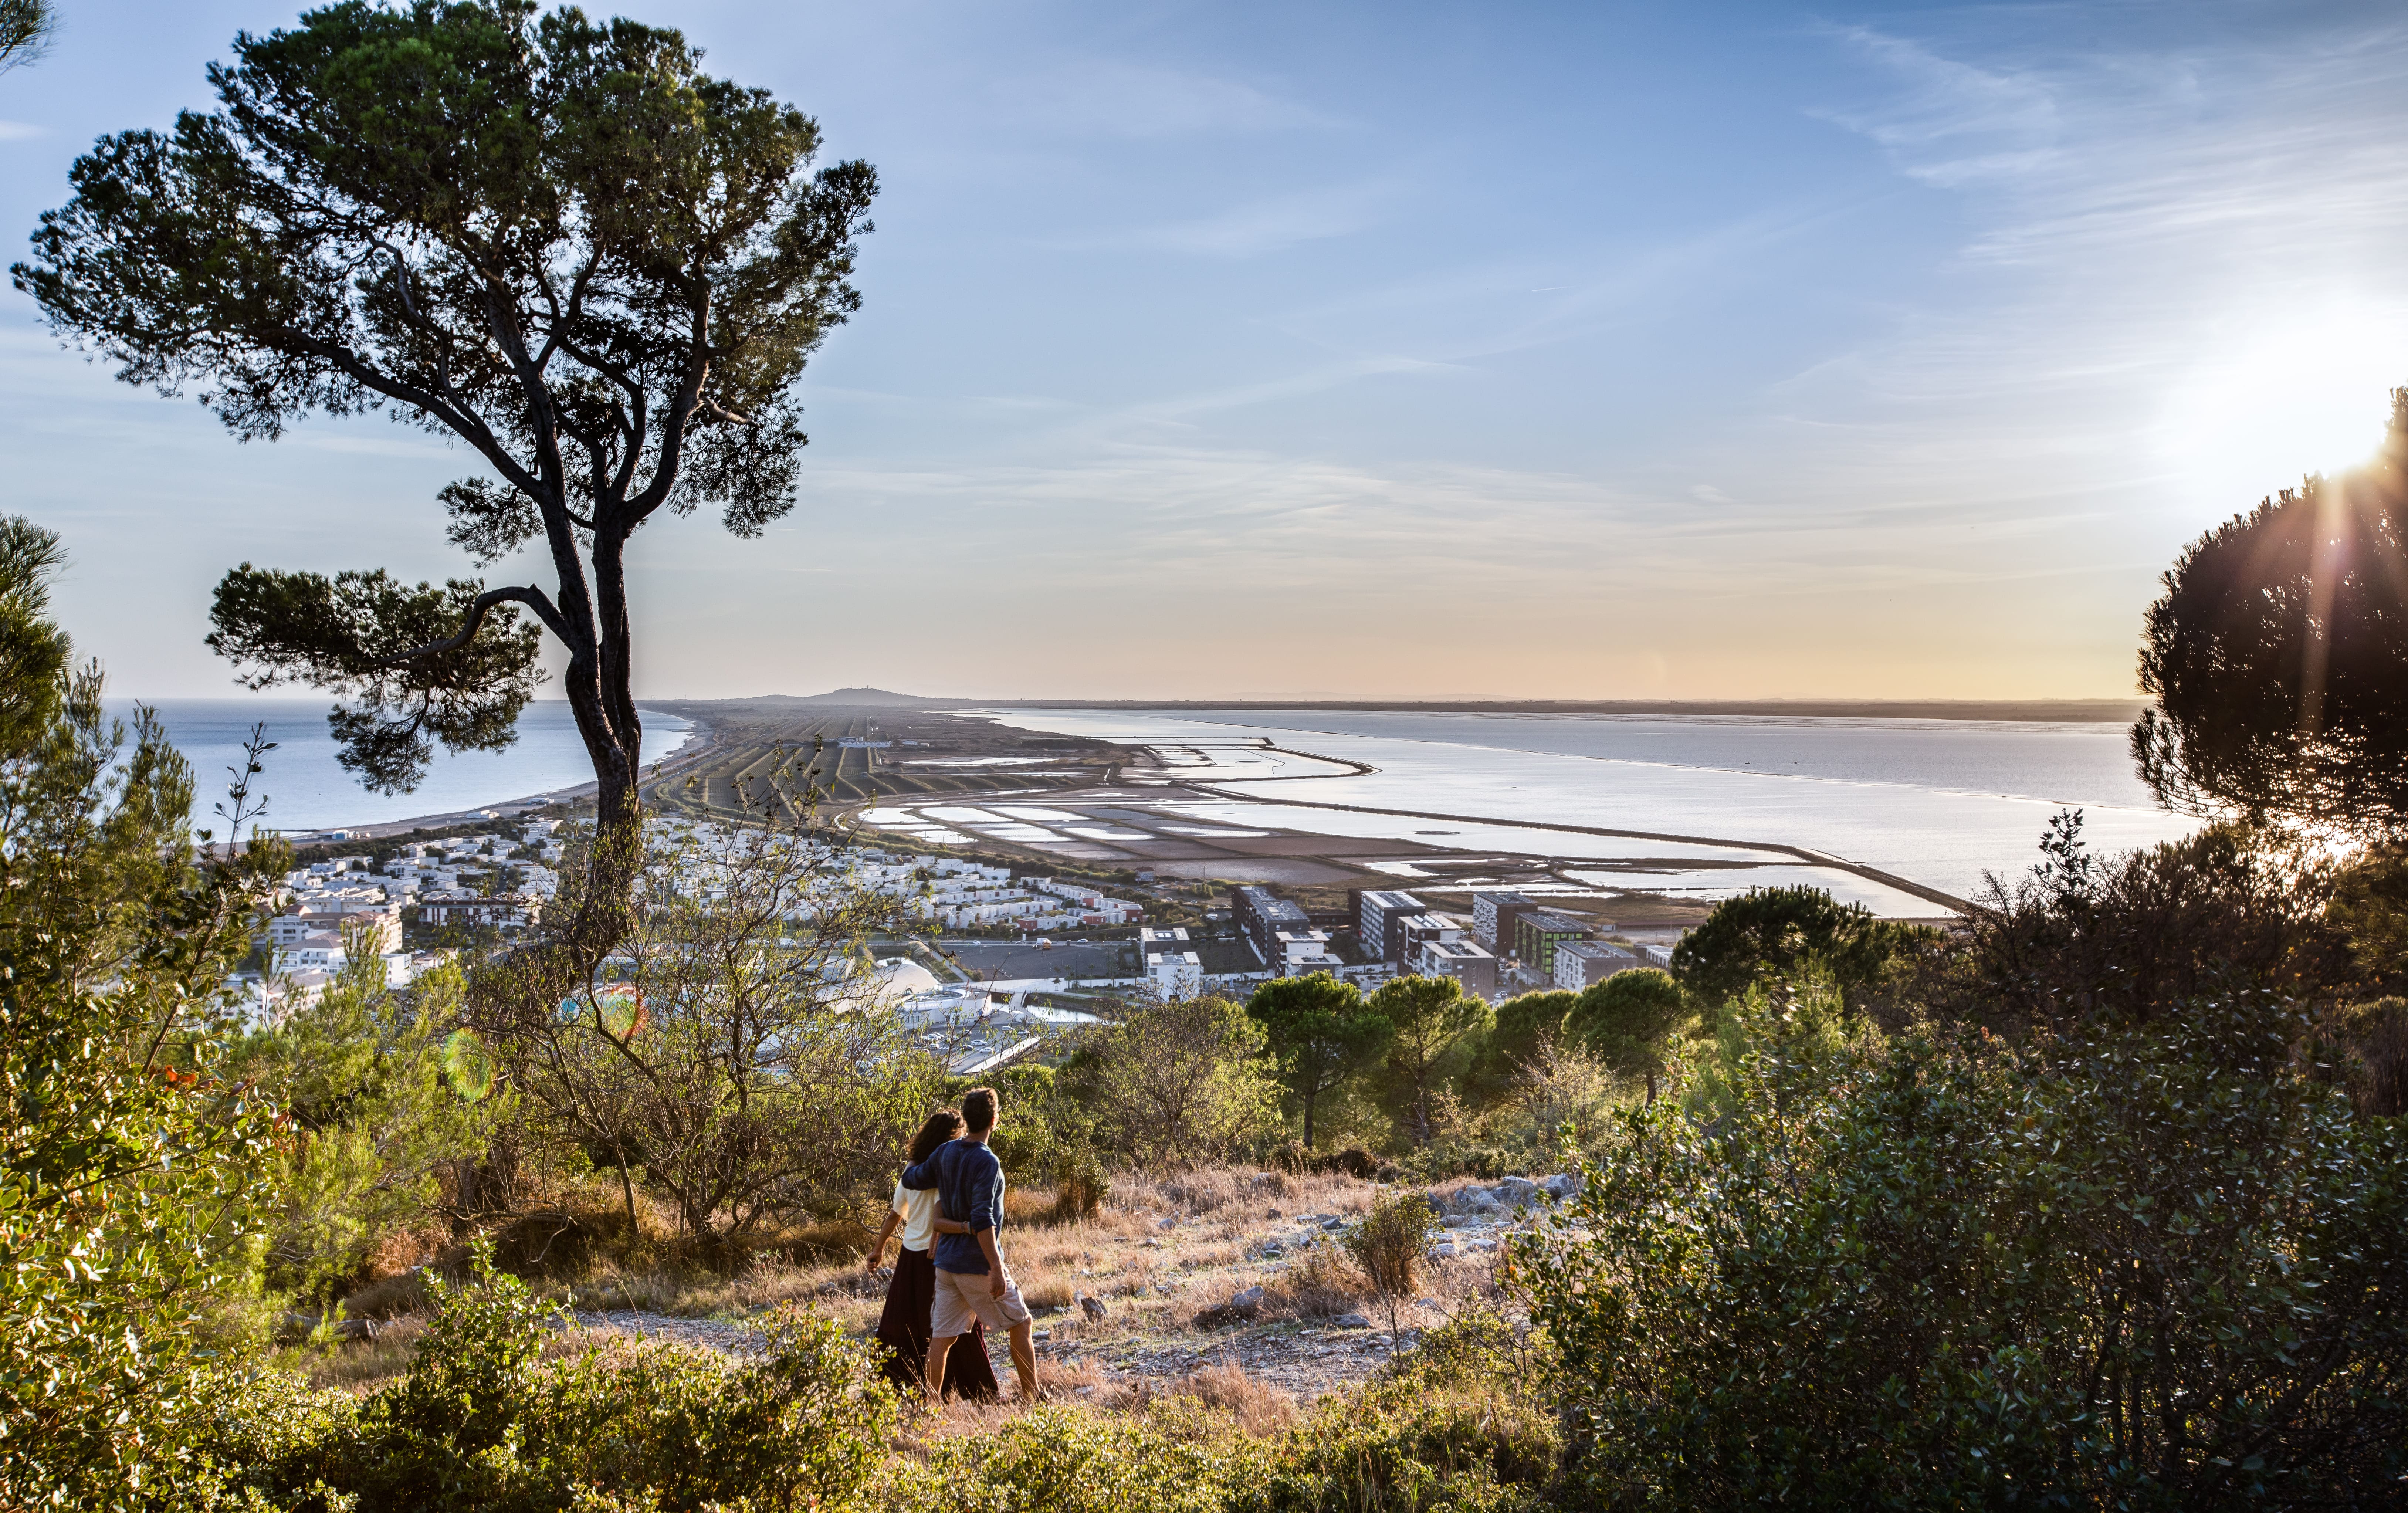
x=1257 y=1407
x=1048 y=1293
x=389 y=1297
x=1320 y=1283
x=1155 y=1278
x=360 y=1367
x=1223 y=1392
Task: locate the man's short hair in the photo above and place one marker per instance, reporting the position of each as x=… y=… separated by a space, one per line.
x=979 y=1109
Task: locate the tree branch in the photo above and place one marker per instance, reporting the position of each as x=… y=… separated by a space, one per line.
x=531 y=597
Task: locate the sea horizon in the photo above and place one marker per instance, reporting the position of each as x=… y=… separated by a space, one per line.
x=306 y=787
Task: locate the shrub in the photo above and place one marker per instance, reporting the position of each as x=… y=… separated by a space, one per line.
x=129 y=1158
x=1079 y=1189
x=1461 y=1424
x=1055 y=1459
x=1319 y=1283
x=476 y=1425
x=2147 y=1264
x=1388 y=1241
x=2144 y=934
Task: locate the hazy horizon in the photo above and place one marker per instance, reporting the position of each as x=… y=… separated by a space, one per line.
x=1243 y=351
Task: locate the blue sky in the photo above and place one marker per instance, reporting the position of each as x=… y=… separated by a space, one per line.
x=1412 y=350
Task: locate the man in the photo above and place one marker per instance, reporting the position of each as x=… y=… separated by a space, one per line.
x=971 y=1281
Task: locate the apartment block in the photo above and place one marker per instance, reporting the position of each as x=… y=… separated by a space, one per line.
x=1580 y=963
x=1467 y=961
x=1493 y=916
x=1379 y=917
x=1260 y=917
x=1537 y=933
x=1175 y=975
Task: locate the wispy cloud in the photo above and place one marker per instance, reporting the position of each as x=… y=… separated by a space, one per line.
x=1123 y=99
x=1272 y=224
x=2182 y=274
x=1951 y=122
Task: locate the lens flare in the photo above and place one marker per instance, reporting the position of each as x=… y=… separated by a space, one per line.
x=466 y=1066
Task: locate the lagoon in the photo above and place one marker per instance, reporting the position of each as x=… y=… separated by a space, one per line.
x=1940 y=802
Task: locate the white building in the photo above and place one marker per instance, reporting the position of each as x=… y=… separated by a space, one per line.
x=1581 y=963
x=1175 y=975
x=379 y=925
x=1303 y=952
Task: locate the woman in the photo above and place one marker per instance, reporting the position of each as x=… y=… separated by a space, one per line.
x=903 y=1328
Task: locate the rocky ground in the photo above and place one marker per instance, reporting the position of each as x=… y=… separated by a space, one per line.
x=1214 y=1270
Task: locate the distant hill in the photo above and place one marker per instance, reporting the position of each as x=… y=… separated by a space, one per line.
x=849 y=699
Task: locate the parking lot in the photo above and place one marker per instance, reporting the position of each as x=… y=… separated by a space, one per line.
x=999 y=959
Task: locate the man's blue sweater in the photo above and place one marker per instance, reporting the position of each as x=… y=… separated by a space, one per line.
x=969 y=1187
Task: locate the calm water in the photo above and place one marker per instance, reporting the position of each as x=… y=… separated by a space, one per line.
x=1938 y=801
x=307 y=789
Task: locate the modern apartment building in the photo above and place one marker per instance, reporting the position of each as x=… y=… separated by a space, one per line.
x=1378 y=920
x=1260 y=917
x=1579 y=963
x=1536 y=934
x=1492 y=919
x=1466 y=961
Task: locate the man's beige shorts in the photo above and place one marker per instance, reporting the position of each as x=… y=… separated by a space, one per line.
x=962 y=1296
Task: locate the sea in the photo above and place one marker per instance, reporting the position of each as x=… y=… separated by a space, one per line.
x=307 y=789
x=1940 y=802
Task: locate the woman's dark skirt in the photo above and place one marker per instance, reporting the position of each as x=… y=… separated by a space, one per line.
x=903 y=1330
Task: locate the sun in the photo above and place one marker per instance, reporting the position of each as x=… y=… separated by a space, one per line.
x=2302 y=393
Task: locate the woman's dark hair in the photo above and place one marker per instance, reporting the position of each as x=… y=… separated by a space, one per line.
x=943 y=1125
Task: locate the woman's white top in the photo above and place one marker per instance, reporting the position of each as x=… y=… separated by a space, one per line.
x=918 y=1207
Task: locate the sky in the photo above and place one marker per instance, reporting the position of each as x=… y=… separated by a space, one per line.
x=1320 y=350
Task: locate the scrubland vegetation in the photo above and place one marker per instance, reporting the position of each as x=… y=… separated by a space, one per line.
x=2090 y=1199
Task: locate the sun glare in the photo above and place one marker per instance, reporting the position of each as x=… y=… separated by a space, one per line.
x=2303 y=396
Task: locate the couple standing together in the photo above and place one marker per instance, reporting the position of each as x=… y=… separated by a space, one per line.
x=949 y=1279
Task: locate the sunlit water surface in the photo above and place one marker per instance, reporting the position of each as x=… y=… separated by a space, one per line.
x=307 y=789
x=1936 y=801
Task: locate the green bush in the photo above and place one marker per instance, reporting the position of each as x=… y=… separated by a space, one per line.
x=1055 y=1459
x=129 y=1156
x=2151 y=1264
x=477 y=1424
x=1458 y=1425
